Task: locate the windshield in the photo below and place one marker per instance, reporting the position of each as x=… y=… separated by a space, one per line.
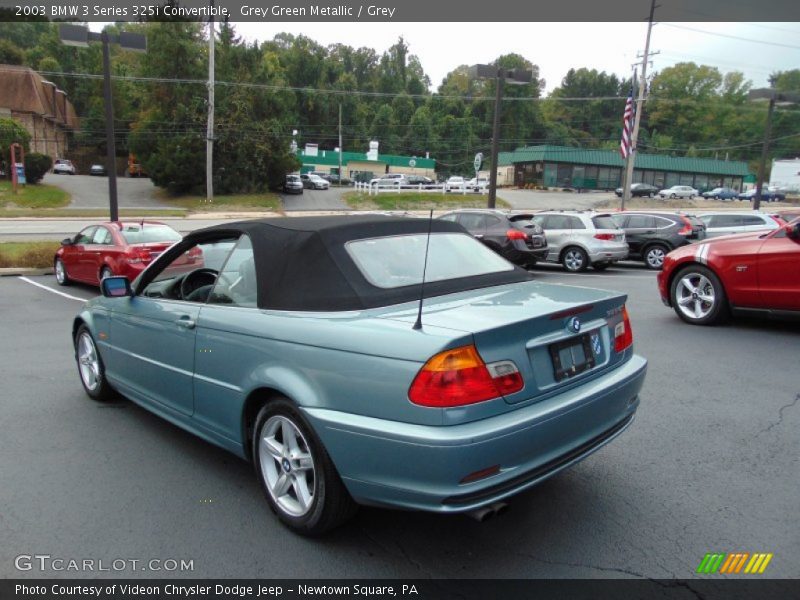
x=138 y=234
x=397 y=261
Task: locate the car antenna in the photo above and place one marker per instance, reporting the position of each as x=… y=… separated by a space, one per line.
x=418 y=324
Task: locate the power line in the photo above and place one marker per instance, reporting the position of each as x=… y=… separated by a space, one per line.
x=732 y=37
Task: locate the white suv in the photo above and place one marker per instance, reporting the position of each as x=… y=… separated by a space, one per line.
x=63 y=166
x=726 y=223
x=577 y=239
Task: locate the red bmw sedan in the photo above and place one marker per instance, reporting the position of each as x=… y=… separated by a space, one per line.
x=747 y=273
x=113 y=248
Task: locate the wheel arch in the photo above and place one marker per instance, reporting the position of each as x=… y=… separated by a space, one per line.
x=694 y=263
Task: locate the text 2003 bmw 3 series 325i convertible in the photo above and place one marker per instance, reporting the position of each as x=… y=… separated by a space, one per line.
x=292 y=343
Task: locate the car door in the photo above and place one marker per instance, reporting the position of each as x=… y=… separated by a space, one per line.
x=152 y=336
x=79 y=261
x=475 y=223
x=102 y=246
x=779 y=272
x=638 y=230
x=558 y=233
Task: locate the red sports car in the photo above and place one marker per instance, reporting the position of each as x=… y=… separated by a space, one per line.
x=750 y=272
x=116 y=248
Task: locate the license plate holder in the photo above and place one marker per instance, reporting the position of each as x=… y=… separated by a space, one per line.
x=572 y=356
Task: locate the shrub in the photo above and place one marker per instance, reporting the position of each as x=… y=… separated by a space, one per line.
x=36 y=165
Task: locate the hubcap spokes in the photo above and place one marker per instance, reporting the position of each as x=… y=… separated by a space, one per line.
x=287 y=466
x=695 y=296
x=88 y=363
x=656 y=257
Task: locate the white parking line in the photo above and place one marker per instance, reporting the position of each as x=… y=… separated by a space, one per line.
x=49 y=289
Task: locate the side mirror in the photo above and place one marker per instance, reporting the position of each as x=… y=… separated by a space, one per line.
x=67 y=242
x=116 y=287
x=793 y=231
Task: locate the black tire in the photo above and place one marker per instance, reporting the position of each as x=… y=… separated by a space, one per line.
x=574 y=259
x=62 y=278
x=651 y=195
x=331 y=504
x=101 y=390
x=600 y=266
x=706 y=283
x=654 y=256
x=672 y=196
x=106 y=272
x=691 y=196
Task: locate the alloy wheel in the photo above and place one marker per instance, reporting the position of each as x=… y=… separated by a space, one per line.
x=287 y=466
x=88 y=362
x=655 y=257
x=61 y=274
x=573 y=260
x=695 y=295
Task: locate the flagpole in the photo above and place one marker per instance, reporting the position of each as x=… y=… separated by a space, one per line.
x=626 y=191
x=626 y=174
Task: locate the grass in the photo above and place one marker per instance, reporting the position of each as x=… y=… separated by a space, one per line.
x=27 y=254
x=416 y=201
x=100 y=213
x=32 y=196
x=233 y=203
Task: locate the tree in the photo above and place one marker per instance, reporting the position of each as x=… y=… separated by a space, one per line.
x=10 y=54
x=12 y=132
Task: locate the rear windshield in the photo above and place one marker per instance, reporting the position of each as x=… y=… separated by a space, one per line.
x=397 y=261
x=604 y=222
x=138 y=234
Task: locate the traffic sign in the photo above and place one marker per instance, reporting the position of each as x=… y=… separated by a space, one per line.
x=478 y=161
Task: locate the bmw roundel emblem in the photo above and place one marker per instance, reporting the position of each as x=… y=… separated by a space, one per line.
x=574 y=324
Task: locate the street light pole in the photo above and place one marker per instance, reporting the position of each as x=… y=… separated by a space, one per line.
x=111 y=151
x=496 y=138
x=762 y=165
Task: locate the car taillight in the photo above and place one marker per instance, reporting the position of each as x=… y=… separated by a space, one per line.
x=139 y=256
x=604 y=236
x=516 y=234
x=687 y=227
x=459 y=376
x=623 y=334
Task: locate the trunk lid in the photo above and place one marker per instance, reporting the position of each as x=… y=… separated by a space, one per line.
x=535 y=325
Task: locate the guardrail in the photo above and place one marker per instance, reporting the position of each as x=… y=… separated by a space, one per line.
x=373 y=189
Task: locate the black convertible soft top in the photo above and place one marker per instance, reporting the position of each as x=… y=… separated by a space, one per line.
x=302 y=263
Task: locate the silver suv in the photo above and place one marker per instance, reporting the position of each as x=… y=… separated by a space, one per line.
x=577 y=239
x=726 y=223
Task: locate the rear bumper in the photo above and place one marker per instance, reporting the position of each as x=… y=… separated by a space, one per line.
x=609 y=253
x=388 y=463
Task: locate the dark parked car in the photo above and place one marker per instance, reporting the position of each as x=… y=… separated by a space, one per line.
x=652 y=235
x=640 y=189
x=721 y=193
x=767 y=195
x=334 y=178
x=417 y=180
x=293 y=185
x=513 y=236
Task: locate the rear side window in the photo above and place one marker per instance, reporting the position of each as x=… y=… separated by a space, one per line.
x=753 y=220
x=472 y=222
x=575 y=223
x=634 y=222
x=725 y=221
x=663 y=223
x=606 y=222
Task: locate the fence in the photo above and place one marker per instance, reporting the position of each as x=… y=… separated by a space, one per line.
x=373 y=189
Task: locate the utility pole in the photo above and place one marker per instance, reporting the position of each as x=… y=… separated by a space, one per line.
x=210 y=130
x=626 y=190
x=340 y=144
x=111 y=152
x=498 y=98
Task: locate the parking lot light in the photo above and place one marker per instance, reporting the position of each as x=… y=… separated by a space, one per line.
x=501 y=76
x=775 y=98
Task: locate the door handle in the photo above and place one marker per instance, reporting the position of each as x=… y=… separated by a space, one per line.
x=186 y=322
x=649 y=231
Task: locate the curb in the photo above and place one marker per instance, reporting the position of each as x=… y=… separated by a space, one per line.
x=20 y=271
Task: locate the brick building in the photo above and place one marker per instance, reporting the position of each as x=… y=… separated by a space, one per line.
x=40 y=107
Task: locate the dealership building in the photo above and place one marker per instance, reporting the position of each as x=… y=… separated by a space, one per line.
x=563 y=166
x=363 y=166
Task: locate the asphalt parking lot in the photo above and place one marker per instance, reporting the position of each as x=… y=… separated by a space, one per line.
x=709 y=465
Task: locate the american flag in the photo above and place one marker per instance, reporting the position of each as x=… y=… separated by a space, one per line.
x=627 y=125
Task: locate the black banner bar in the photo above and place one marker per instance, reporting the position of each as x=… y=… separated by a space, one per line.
x=402 y=11
x=385 y=589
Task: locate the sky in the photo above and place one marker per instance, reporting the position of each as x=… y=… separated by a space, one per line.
x=557 y=47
